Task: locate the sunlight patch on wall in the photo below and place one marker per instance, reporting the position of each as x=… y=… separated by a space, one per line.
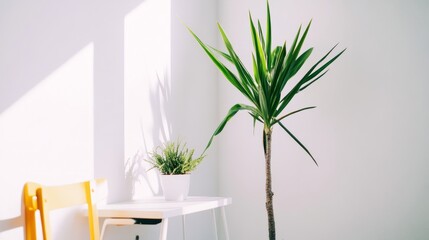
x=147 y=89
x=47 y=134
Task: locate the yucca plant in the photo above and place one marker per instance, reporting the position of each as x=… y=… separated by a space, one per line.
x=273 y=69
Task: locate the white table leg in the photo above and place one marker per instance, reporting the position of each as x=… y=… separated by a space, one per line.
x=215 y=223
x=164 y=227
x=225 y=224
x=183 y=227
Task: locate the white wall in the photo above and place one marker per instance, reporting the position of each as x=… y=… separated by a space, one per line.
x=61 y=112
x=195 y=100
x=194 y=86
x=80 y=98
x=369 y=132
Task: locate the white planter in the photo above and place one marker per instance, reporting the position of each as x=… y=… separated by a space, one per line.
x=175 y=187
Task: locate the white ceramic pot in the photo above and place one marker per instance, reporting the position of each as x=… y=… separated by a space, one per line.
x=175 y=187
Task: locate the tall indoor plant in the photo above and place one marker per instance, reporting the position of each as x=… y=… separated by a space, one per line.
x=273 y=68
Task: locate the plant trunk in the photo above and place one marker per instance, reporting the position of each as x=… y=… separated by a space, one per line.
x=268 y=192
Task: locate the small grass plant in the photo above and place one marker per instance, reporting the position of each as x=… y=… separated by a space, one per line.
x=174 y=158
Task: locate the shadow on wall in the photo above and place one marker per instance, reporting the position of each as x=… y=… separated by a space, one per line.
x=36 y=39
x=161 y=108
x=138 y=170
x=11 y=223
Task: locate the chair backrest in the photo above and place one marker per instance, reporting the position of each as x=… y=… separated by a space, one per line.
x=49 y=198
x=30 y=208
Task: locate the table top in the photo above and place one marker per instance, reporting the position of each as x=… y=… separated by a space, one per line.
x=158 y=208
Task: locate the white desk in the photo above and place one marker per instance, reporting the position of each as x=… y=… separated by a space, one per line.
x=158 y=208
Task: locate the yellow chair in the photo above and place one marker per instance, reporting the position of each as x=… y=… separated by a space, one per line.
x=50 y=198
x=47 y=198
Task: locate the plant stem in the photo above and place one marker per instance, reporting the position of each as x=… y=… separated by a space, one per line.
x=269 y=193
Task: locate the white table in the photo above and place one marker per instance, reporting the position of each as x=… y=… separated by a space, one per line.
x=158 y=208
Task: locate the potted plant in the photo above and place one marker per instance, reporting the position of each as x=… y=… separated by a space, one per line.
x=273 y=69
x=175 y=162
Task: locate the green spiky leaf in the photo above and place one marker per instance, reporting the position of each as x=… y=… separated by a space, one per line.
x=274 y=69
